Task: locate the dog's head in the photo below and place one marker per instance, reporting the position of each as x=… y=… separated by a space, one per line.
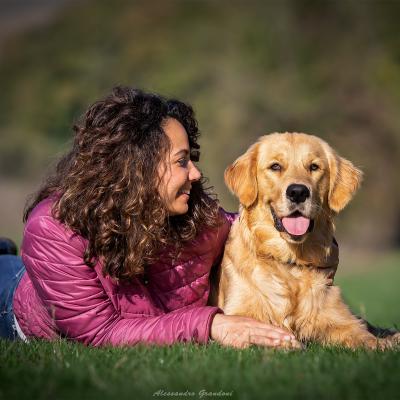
x=295 y=179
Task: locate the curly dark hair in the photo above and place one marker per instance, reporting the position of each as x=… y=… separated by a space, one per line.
x=106 y=187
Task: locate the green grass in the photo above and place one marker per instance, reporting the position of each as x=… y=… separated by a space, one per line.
x=63 y=370
x=375 y=293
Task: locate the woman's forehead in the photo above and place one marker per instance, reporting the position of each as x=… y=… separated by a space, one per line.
x=177 y=135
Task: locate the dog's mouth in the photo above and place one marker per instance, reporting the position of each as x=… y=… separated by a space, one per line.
x=295 y=224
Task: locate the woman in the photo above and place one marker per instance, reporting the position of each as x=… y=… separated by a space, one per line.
x=119 y=242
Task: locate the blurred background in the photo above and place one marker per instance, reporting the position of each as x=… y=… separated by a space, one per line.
x=331 y=68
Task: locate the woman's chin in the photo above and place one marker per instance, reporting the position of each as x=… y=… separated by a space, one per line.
x=179 y=209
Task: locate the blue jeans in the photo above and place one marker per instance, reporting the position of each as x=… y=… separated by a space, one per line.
x=11 y=272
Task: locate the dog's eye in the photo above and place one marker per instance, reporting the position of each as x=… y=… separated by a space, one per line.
x=275 y=167
x=314 y=167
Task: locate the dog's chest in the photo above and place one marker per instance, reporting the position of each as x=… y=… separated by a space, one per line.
x=277 y=297
x=287 y=295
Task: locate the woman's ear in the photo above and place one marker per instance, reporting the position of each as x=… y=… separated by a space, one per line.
x=241 y=177
x=344 y=180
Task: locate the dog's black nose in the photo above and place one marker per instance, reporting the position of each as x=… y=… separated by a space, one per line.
x=297 y=193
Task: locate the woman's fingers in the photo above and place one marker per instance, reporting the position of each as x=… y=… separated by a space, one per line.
x=241 y=332
x=271 y=333
x=270 y=330
x=270 y=342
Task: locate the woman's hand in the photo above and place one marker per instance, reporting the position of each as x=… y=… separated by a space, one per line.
x=332 y=262
x=241 y=332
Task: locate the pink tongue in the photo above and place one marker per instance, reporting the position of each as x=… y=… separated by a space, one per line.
x=296 y=225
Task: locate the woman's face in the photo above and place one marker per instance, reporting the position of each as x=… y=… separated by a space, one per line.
x=179 y=172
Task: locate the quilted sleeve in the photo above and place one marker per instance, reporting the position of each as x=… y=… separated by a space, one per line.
x=79 y=304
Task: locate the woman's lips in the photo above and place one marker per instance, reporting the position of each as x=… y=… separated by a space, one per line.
x=185 y=193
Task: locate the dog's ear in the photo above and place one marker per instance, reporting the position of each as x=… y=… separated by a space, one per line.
x=344 y=180
x=241 y=177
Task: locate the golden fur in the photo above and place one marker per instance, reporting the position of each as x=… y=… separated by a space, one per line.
x=269 y=275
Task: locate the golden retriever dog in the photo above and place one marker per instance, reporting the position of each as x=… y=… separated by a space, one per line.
x=290 y=187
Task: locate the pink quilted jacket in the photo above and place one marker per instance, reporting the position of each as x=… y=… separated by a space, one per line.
x=60 y=295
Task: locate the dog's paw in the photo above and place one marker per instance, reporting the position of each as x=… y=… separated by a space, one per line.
x=394 y=339
x=373 y=343
x=384 y=344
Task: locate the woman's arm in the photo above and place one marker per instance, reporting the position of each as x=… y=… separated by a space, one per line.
x=79 y=304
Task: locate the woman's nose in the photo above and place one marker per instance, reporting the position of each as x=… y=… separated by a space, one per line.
x=194 y=173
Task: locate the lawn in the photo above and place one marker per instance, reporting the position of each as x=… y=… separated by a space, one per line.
x=63 y=370
x=373 y=288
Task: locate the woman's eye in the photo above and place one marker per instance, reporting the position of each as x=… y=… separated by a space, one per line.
x=275 y=167
x=183 y=162
x=314 y=167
